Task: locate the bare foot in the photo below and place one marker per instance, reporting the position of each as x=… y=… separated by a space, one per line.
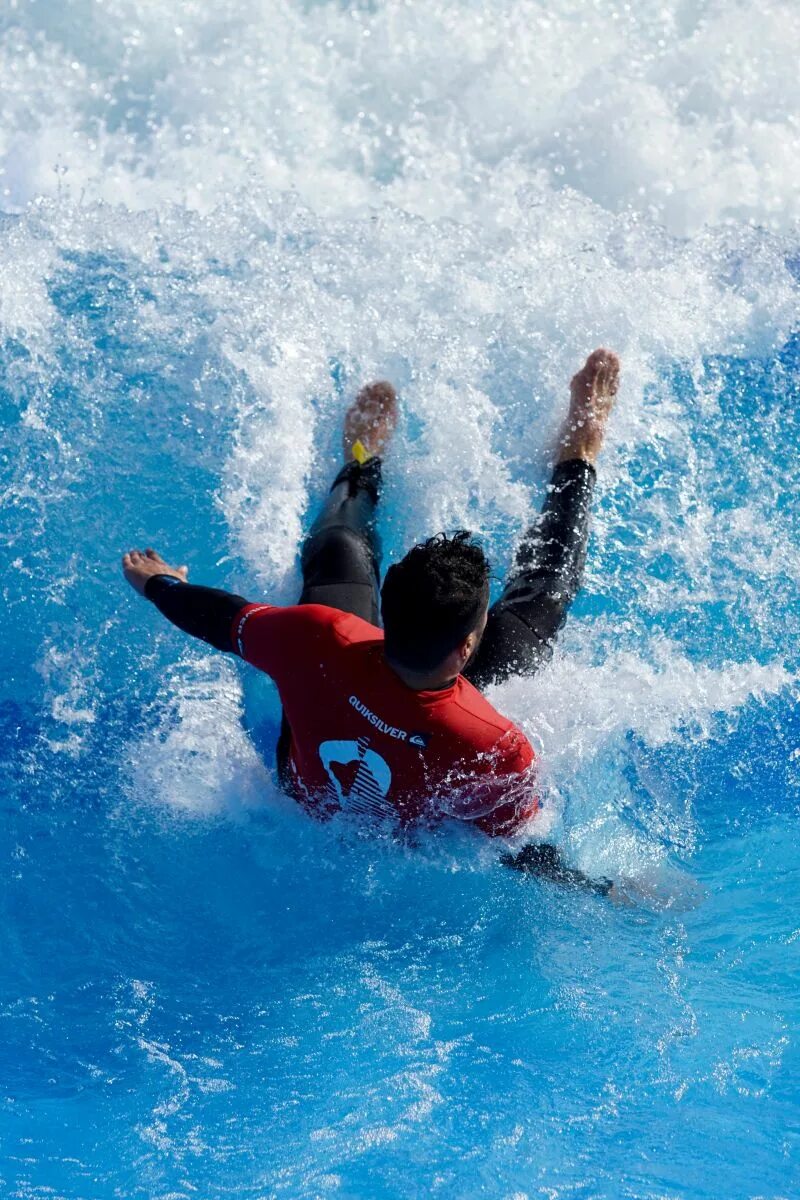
x=138 y=567
x=371 y=420
x=592 y=393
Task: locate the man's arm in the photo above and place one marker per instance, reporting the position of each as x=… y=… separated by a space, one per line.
x=202 y=612
x=503 y=802
x=543 y=859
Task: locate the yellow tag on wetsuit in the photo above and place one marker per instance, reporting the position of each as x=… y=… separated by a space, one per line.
x=360 y=453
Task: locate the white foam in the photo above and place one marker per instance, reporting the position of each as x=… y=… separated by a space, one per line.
x=197 y=759
x=686 y=109
x=69 y=675
x=579 y=714
x=683 y=112
x=576 y=708
x=25 y=308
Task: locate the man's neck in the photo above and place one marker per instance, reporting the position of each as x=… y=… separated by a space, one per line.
x=421 y=681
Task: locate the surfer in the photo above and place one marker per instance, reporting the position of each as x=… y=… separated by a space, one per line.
x=391 y=722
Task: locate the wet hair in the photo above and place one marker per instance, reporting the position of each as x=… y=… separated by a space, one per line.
x=433 y=598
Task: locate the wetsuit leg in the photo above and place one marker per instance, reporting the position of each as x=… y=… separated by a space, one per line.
x=340 y=562
x=341 y=555
x=545 y=579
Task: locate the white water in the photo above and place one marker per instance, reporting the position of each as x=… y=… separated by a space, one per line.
x=464 y=200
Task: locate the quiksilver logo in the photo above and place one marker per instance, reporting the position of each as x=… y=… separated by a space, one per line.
x=381 y=725
x=413 y=739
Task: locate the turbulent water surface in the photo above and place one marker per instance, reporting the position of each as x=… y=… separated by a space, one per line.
x=217 y=221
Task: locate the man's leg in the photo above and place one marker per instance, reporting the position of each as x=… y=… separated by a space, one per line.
x=340 y=559
x=341 y=555
x=548 y=567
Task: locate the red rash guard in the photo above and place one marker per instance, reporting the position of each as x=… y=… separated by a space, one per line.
x=365 y=742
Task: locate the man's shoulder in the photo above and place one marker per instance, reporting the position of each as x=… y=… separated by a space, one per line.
x=347 y=626
x=267 y=634
x=319 y=616
x=474 y=704
x=487 y=726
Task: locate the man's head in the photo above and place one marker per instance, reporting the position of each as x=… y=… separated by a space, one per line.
x=434 y=605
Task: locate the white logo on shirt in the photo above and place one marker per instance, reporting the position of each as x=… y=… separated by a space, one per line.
x=367 y=790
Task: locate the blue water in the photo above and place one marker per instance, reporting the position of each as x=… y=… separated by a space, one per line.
x=214 y=226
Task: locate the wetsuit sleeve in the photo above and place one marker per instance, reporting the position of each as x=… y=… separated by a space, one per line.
x=545 y=860
x=205 y=613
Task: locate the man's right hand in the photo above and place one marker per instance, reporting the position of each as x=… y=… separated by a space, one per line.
x=138 y=566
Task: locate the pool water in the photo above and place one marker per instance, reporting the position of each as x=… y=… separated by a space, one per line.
x=216 y=221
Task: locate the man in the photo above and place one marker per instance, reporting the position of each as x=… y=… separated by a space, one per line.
x=391 y=723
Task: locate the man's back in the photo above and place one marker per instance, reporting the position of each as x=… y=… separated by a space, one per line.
x=364 y=742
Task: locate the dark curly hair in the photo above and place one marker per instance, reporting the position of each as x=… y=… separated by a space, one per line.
x=433 y=598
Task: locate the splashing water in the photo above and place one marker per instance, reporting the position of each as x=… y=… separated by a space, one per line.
x=218 y=220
